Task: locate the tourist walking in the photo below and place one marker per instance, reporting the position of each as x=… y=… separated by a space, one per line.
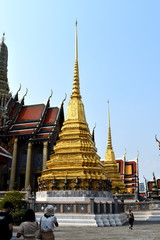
x=6 y=222
x=131 y=219
x=29 y=227
x=47 y=223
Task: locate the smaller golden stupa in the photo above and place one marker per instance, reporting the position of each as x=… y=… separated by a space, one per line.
x=110 y=164
x=154 y=194
x=75 y=164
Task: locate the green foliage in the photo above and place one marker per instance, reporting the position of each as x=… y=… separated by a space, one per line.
x=15 y=197
x=18 y=216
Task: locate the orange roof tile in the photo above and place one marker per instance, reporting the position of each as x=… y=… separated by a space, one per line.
x=51 y=116
x=30 y=113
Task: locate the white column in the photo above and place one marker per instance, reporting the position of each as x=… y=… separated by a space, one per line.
x=28 y=165
x=45 y=154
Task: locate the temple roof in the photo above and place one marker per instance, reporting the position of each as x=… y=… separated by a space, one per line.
x=34 y=121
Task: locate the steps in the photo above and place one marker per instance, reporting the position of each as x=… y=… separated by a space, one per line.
x=147 y=216
x=92 y=220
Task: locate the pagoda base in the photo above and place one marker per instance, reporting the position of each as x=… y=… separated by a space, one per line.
x=88 y=220
x=71 y=195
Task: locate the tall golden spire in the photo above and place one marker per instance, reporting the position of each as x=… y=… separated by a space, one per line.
x=75 y=88
x=76 y=45
x=75 y=155
x=109 y=131
x=75 y=110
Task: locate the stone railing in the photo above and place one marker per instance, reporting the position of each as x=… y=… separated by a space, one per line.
x=85 y=207
x=124 y=196
x=137 y=206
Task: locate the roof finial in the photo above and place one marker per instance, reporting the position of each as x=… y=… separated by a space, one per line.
x=157 y=141
x=64 y=98
x=26 y=92
x=3 y=38
x=93 y=133
x=76 y=50
x=51 y=94
x=19 y=88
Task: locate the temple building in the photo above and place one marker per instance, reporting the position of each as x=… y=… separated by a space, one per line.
x=110 y=164
x=28 y=134
x=129 y=172
x=75 y=165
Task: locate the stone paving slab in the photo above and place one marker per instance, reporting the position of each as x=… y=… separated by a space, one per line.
x=141 y=231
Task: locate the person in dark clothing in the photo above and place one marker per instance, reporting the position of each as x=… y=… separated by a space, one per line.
x=131 y=219
x=6 y=222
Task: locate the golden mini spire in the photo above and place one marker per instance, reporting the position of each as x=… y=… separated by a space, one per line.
x=137 y=156
x=76 y=45
x=154 y=193
x=125 y=153
x=75 y=88
x=109 y=131
x=110 y=164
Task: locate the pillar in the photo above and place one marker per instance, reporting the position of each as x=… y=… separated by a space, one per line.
x=45 y=154
x=28 y=165
x=92 y=205
x=13 y=166
x=115 y=205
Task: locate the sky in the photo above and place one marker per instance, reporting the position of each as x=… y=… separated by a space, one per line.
x=119 y=61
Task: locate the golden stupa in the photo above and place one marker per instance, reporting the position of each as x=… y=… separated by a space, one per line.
x=110 y=164
x=75 y=164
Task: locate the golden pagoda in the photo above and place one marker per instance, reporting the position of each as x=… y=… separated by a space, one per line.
x=75 y=164
x=110 y=164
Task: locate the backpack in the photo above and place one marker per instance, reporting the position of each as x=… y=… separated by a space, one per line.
x=4 y=226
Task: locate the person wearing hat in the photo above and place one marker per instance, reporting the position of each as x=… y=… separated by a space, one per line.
x=47 y=223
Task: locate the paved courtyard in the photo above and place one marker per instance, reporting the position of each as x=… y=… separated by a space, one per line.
x=145 y=231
